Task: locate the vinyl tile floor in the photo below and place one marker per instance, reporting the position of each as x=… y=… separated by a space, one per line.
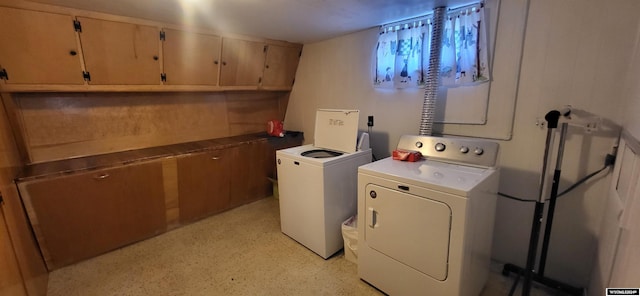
x=238 y=252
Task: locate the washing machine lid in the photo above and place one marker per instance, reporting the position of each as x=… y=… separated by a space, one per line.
x=336 y=129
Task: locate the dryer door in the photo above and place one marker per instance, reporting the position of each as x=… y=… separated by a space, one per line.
x=410 y=229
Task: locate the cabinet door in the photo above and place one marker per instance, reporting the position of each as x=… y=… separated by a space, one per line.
x=249 y=173
x=203 y=183
x=120 y=53
x=242 y=62
x=10 y=279
x=38 y=48
x=79 y=216
x=191 y=58
x=280 y=66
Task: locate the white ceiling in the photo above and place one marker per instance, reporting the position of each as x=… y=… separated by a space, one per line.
x=302 y=21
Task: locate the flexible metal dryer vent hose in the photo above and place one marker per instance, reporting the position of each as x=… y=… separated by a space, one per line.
x=433 y=73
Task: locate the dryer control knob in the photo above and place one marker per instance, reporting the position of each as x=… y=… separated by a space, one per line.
x=419 y=144
x=464 y=149
x=478 y=151
x=440 y=147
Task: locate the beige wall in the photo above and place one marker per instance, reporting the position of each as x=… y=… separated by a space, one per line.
x=575 y=52
x=571 y=56
x=631 y=117
x=337 y=74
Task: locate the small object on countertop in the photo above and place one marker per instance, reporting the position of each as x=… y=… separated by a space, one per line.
x=275 y=128
x=407 y=155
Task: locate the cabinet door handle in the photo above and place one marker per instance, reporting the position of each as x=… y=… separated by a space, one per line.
x=155 y=58
x=101 y=176
x=224 y=63
x=215 y=158
x=215 y=62
x=266 y=66
x=73 y=52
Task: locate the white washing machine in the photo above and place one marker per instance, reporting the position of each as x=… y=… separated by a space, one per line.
x=318 y=183
x=426 y=227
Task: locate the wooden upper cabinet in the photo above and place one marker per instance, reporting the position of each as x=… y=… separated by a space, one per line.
x=49 y=51
x=120 y=53
x=38 y=48
x=191 y=58
x=242 y=62
x=280 y=66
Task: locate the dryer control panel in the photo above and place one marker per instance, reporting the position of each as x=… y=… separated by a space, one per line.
x=468 y=151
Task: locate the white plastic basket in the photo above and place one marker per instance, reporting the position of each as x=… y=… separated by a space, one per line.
x=350 y=237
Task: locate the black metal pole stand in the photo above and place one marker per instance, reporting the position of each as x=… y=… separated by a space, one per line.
x=529 y=271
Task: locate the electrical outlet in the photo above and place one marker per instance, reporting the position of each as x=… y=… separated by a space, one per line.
x=370 y=120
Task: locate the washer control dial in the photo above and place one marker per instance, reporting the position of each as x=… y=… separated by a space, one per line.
x=419 y=144
x=478 y=151
x=464 y=149
x=440 y=147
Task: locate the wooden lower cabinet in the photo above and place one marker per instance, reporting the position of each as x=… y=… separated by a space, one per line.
x=10 y=279
x=82 y=215
x=212 y=182
x=249 y=173
x=203 y=183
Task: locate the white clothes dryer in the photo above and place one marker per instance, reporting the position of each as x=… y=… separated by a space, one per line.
x=318 y=183
x=426 y=227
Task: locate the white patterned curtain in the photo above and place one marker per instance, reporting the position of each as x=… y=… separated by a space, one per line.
x=464 y=48
x=402 y=54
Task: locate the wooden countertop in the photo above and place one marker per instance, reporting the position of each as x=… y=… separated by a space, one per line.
x=75 y=165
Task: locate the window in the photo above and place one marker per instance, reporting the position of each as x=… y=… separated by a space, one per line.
x=464 y=47
x=403 y=49
x=402 y=61
x=402 y=54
